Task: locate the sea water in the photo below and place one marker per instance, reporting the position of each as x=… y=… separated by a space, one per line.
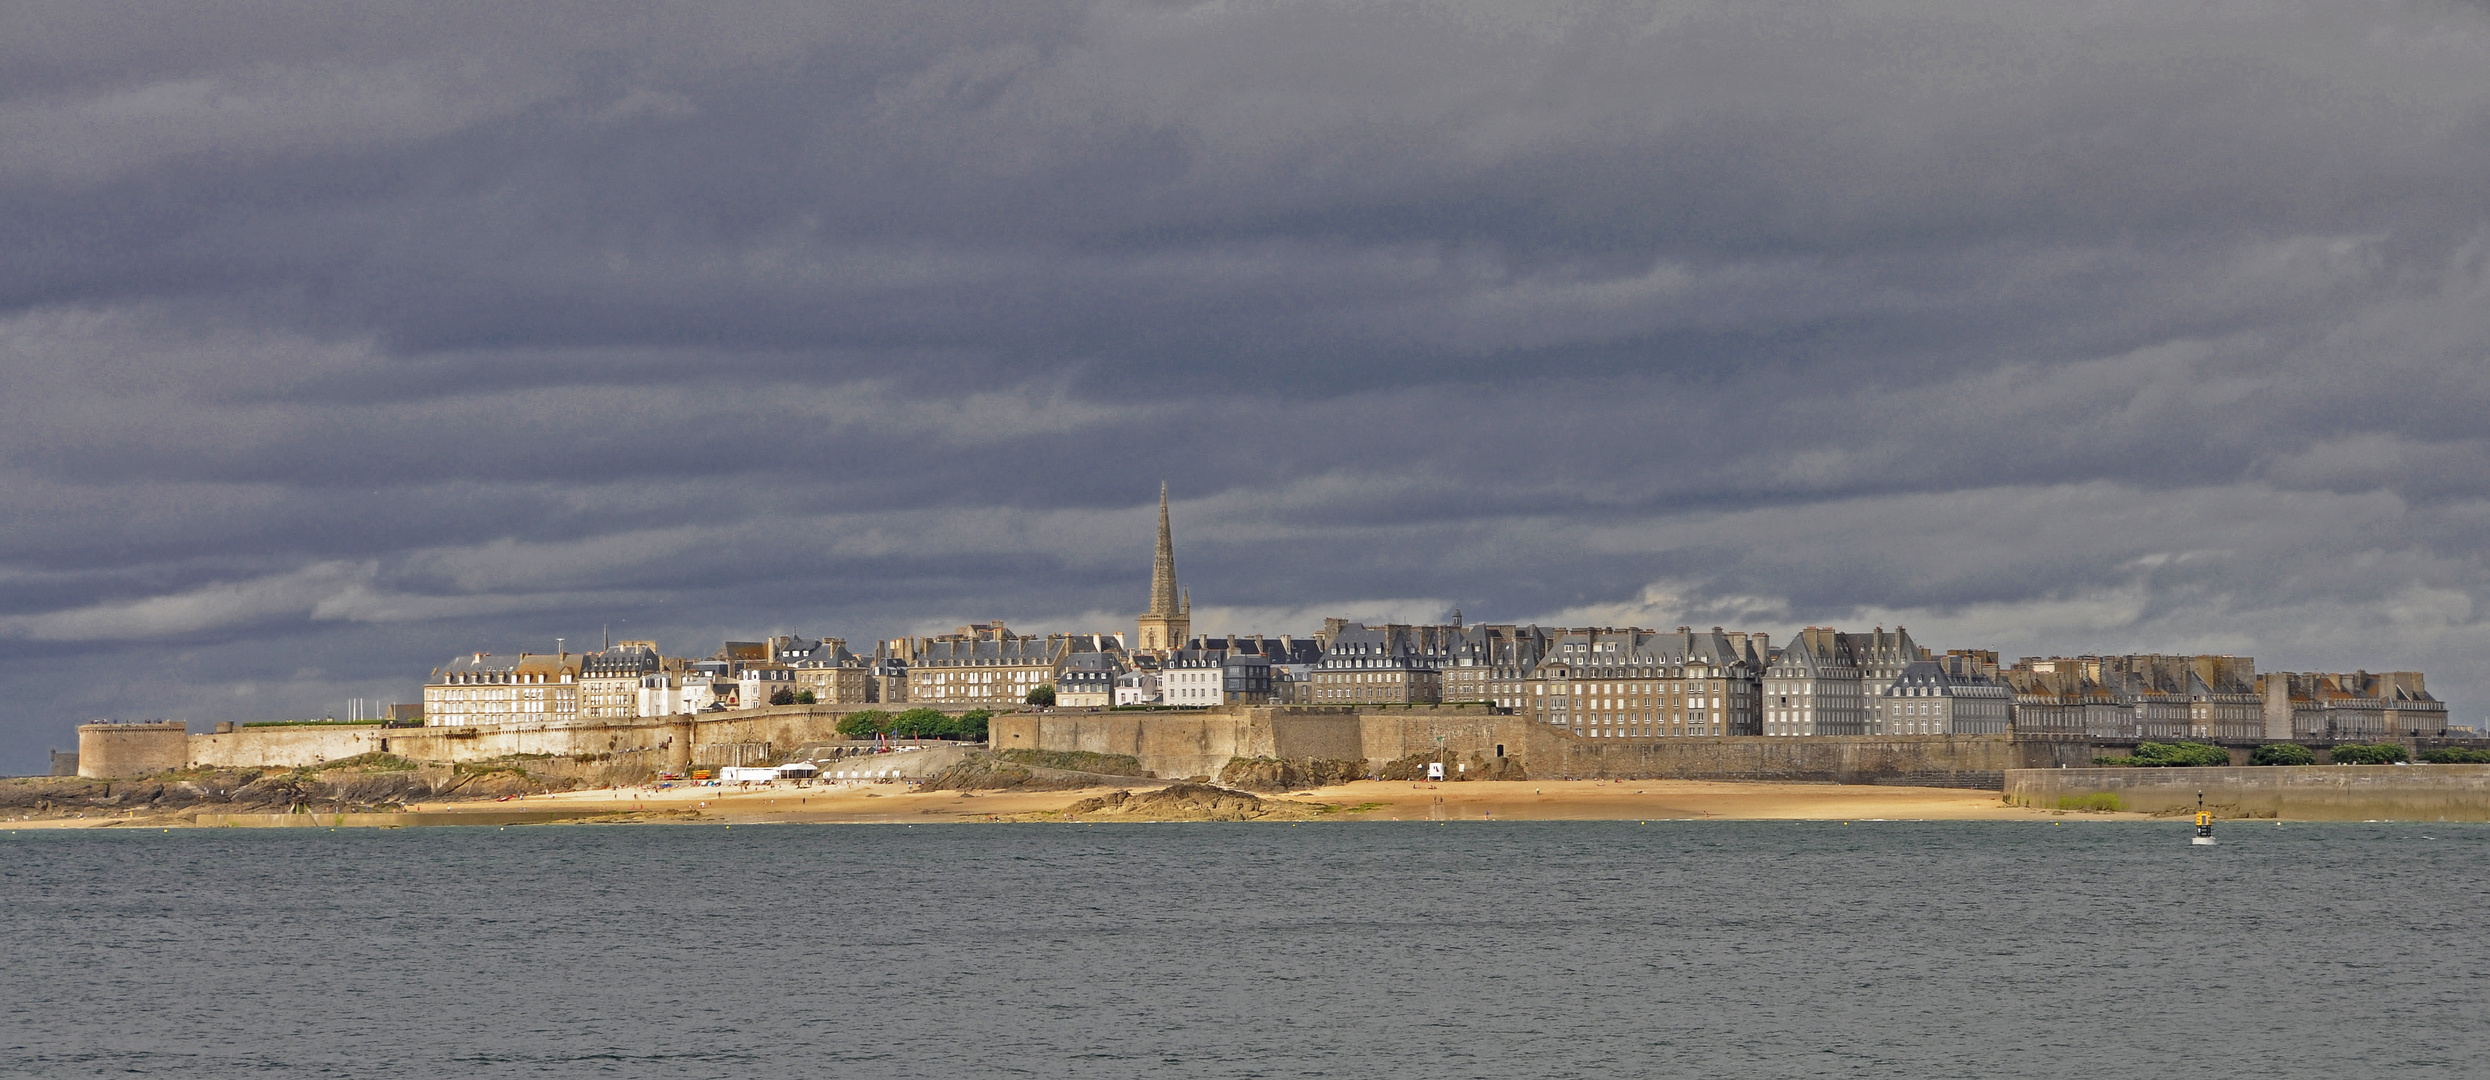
x=1545 y=949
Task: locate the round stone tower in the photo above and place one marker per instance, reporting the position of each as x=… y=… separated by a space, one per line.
x=109 y=751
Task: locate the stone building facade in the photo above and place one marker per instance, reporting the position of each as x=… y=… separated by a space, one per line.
x=1815 y=686
x=1393 y=664
x=984 y=673
x=1496 y=664
x=2144 y=696
x=2351 y=707
x=1944 y=696
x=481 y=688
x=1607 y=683
x=835 y=675
x=609 y=679
x=1881 y=657
x=1077 y=688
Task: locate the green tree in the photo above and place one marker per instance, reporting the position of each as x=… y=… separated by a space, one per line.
x=865 y=724
x=805 y=697
x=1043 y=696
x=972 y=726
x=782 y=696
x=2456 y=755
x=2283 y=753
x=919 y=723
x=2372 y=754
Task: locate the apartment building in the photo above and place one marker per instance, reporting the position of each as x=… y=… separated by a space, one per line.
x=1815 y=686
x=1944 y=696
x=609 y=679
x=481 y=688
x=1496 y=663
x=2354 y=706
x=1610 y=683
x=1394 y=664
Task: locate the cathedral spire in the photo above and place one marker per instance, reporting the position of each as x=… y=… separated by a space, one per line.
x=1169 y=622
x=1163 y=569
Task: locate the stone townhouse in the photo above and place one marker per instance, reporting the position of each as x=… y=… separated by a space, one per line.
x=1085 y=688
x=609 y=679
x=1608 y=683
x=1393 y=664
x=1496 y=664
x=2187 y=697
x=1815 y=686
x=985 y=673
x=834 y=675
x=1945 y=696
x=527 y=689
x=1287 y=661
x=2144 y=696
x=887 y=680
x=987 y=666
x=1191 y=679
x=764 y=683
x=2067 y=697
x=2351 y=707
x=1881 y=658
x=1137 y=687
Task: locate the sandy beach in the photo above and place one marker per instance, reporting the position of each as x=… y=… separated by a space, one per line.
x=1482 y=801
x=1558 y=800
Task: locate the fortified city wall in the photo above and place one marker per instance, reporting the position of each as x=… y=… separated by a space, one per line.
x=1198 y=743
x=129 y=750
x=2286 y=792
x=1172 y=743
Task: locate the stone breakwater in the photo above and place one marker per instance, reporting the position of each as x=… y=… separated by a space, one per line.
x=2289 y=792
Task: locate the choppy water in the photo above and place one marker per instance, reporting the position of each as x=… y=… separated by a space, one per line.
x=1712 y=949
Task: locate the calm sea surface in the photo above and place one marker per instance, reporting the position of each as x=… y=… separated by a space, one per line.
x=1712 y=949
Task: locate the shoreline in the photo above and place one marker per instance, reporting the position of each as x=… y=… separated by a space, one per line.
x=1364 y=800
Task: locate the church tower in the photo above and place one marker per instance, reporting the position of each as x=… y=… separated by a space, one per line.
x=1169 y=622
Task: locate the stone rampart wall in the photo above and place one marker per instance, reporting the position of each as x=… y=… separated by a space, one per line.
x=1199 y=743
x=286 y=747
x=2290 y=793
x=1937 y=760
x=667 y=739
x=1326 y=735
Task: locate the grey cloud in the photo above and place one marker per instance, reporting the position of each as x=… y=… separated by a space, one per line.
x=336 y=338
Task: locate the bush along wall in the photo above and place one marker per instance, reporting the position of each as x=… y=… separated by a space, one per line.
x=2283 y=754
x=2167 y=755
x=2370 y=754
x=916 y=724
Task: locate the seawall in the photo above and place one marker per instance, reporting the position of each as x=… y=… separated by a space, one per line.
x=643 y=744
x=1173 y=744
x=1178 y=744
x=2289 y=793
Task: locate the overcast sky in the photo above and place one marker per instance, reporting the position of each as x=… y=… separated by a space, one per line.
x=337 y=338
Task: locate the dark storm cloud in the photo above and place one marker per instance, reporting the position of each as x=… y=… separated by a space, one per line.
x=337 y=338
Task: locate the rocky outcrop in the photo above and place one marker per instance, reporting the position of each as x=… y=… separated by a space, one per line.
x=359 y=786
x=1288 y=774
x=1081 y=761
x=995 y=772
x=1191 y=802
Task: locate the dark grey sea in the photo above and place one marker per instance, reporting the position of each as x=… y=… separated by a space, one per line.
x=1696 y=949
